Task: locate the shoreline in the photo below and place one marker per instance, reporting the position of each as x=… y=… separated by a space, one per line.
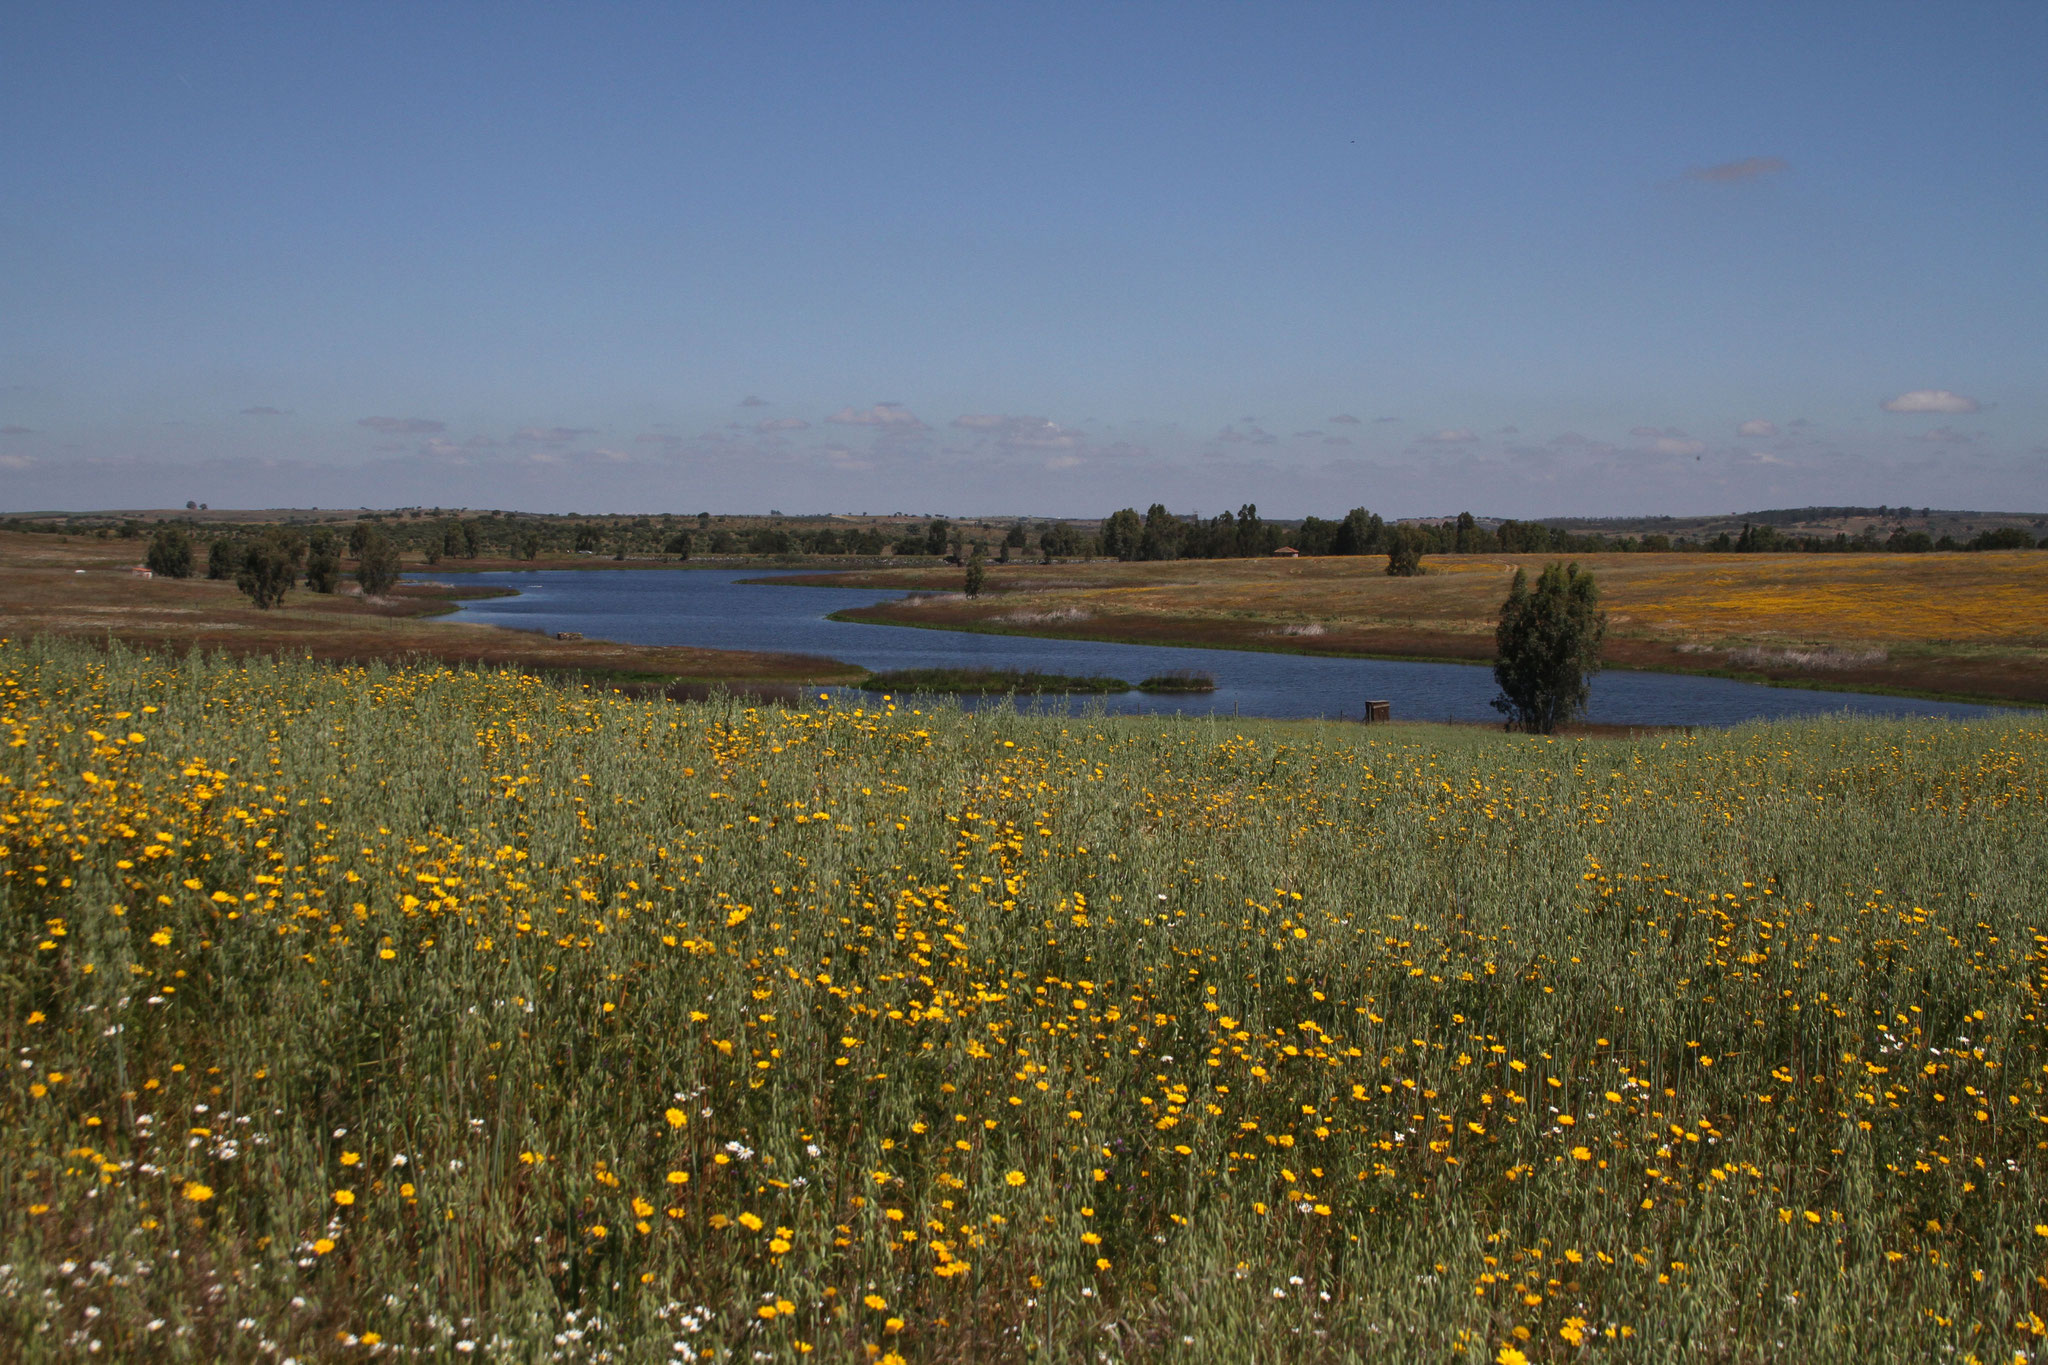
x=868 y=616
x=89 y=591
x=874 y=615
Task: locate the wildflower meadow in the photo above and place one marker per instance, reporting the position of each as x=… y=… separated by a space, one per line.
x=376 y=1012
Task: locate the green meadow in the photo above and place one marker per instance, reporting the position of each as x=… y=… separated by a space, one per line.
x=368 y=1012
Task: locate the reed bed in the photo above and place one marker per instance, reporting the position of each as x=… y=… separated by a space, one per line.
x=437 y=1014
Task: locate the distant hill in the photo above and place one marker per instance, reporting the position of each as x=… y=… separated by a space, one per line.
x=1813 y=521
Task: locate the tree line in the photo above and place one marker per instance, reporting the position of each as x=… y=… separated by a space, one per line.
x=269 y=565
x=1161 y=534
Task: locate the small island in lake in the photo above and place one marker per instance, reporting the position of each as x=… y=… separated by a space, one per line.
x=987 y=681
x=1180 y=680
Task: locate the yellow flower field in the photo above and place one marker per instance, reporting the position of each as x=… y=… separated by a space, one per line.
x=377 y=1012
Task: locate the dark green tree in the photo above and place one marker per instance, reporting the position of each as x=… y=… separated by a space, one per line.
x=223 y=558
x=1547 y=647
x=977 y=572
x=1122 y=534
x=1404 y=552
x=679 y=545
x=2004 y=538
x=170 y=553
x=1469 y=538
x=377 y=564
x=1359 y=533
x=1162 y=535
x=323 y=562
x=1251 y=532
x=937 y=535
x=269 y=567
x=1060 y=541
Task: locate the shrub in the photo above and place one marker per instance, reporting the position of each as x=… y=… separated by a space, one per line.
x=1404 y=552
x=323 y=562
x=377 y=565
x=170 y=553
x=269 y=568
x=223 y=558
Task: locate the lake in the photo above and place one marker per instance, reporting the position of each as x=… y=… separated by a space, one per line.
x=712 y=608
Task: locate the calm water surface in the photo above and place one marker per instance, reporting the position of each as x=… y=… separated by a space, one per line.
x=711 y=608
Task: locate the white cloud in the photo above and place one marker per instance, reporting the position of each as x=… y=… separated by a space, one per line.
x=845 y=461
x=1668 y=440
x=1731 y=172
x=1022 y=433
x=403 y=426
x=1757 y=427
x=261 y=410
x=1044 y=436
x=782 y=424
x=553 y=436
x=880 y=415
x=1344 y=419
x=1946 y=436
x=1930 y=400
x=1063 y=462
x=1573 y=440
x=15 y=462
x=750 y=401
x=1451 y=436
x=1257 y=436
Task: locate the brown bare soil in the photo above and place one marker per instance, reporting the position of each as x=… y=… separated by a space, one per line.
x=85 y=587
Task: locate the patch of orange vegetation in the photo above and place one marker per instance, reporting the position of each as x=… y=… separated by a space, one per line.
x=1995 y=598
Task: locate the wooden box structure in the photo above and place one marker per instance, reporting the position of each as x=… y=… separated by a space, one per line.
x=1378 y=711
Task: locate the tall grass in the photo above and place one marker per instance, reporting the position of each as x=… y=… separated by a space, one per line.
x=359 y=1012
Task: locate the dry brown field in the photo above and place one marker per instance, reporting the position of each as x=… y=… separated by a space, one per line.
x=1956 y=625
x=82 y=586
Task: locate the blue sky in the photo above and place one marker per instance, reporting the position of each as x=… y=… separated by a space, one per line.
x=1523 y=259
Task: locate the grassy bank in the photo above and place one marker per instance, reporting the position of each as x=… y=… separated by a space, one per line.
x=401 y=1009
x=1961 y=626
